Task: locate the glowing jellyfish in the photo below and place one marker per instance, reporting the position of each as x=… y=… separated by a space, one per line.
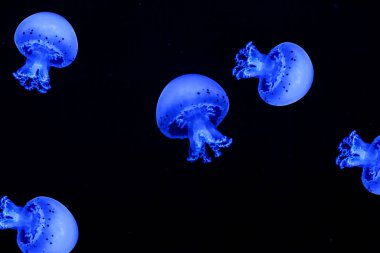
x=46 y=40
x=356 y=153
x=192 y=106
x=43 y=225
x=285 y=74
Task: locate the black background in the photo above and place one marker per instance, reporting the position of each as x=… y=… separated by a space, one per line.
x=93 y=144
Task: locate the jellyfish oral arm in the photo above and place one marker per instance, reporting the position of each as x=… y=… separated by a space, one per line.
x=35 y=73
x=11 y=215
x=202 y=132
x=354 y=152
x=251 y=63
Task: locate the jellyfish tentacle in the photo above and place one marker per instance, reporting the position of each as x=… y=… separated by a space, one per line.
x=202 y=132
x=350 y=162
x=10 y=215
x=218 y=141
x=354 y=152
x=197 y=138
x=34 y=74
x=197 y=150
x=197 y=147
x=250 y=63
x=350 y=151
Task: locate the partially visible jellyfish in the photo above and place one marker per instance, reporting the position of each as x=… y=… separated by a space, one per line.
x=43 y=225
x=354 y=152
x=192 y=106
x=46 y=40
x=285 y=74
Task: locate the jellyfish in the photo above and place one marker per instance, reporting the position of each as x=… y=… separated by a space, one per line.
x=354 y=152
x=43 y=225
x=285 y=74
x=192 y=106
x=46 y=40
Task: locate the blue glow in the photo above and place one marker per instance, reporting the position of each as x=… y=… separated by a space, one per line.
x=192 y=106
x=43 y=225
x=354 y=152
x=46 y=40
x=285 y=74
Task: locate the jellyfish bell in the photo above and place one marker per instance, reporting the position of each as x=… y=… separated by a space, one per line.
x=285 y=74
x=190 y=90
x=47 y=40
x=192 y=106
x=43 y=225
x=370 y=174
x=371 y=179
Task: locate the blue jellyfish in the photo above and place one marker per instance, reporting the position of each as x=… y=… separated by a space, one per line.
x=192 y=106
x=354 y=152
x=43 y=225
x=46 y=40
x=285 y=74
